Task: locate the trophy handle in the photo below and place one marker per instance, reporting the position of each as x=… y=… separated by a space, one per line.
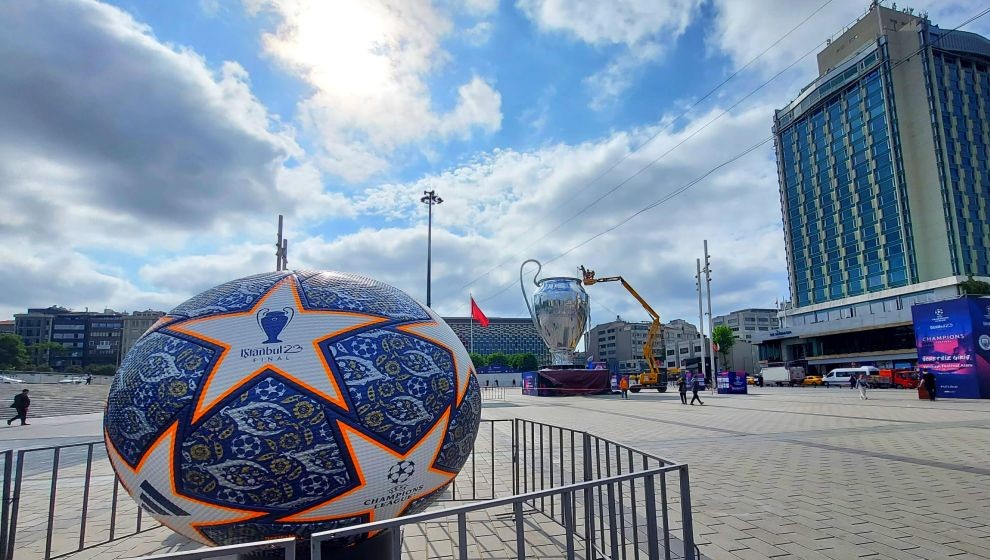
x=523 y=288
x=261 y=315
x=290 y=312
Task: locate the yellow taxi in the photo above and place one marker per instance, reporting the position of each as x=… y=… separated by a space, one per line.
x=812 y=380
x=752 y=380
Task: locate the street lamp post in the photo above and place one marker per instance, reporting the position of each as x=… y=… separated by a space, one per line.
x=429 y=198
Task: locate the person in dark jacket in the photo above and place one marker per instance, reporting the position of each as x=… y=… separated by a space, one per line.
x=21 y=404
x=928 y=380
x=682 y=389
x=695 y=387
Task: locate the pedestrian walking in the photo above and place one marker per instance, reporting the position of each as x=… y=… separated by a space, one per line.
x=624 y=386
x=496 y=382
x=682 y=389
x=21 y=404
x=852 y=381
x=928 y=380
x=89 y=379
x=695 y=387
x=861 y=383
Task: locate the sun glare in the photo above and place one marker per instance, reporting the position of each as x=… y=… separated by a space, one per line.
x=344 y=45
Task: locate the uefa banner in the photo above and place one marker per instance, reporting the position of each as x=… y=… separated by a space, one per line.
x=979 y=309
x=947 y=345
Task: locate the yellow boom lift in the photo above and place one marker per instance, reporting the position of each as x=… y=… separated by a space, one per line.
x=655 y=378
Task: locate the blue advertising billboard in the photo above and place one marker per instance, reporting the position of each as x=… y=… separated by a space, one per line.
x=980 y=314
x=946 y=341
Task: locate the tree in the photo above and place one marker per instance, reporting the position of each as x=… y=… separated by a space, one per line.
x=101 y=369
x=74 y=369
x=975 y=287
x=528 y=362
x=13 y=353
x=498 y=359
x=39 y=352
x=723 y=336
x=478 y=360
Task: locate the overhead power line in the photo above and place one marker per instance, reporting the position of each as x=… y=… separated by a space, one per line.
x=697 y=180
x=655 y=135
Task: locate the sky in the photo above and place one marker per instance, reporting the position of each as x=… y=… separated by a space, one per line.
x=147 y=148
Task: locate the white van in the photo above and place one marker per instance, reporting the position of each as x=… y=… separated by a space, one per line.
x=841 y=376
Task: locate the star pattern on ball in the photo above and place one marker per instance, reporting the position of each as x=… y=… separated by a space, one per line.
x=438 y=332
x=276 y=331
x=152 y=484
x=412 y=477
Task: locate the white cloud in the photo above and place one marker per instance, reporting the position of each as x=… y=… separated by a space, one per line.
x=479 y=33
x=645 y=30
x=367 y=63
x=628 y=22
x=743 y=32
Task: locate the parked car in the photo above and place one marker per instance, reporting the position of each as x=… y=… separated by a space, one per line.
x=73 y=380
x=8 y=379
x=812 y=380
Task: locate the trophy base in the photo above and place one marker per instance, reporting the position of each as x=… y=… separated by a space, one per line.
x=569 y=381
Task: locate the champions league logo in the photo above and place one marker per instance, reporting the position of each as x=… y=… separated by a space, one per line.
x=401 y=472
x=274 y=322
x=939 y=315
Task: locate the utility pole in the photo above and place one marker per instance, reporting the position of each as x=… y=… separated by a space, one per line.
x=429 y=198
x=280 y=247
x=708 y=289
x=701 y=320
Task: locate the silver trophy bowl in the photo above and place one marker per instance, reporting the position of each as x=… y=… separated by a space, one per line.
x=560 y=311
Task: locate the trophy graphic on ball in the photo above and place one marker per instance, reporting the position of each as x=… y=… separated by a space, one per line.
x=560 y=310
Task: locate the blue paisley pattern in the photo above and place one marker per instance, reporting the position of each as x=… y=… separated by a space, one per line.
x=231 y=297
x=398 y=384
x=156 y=380
x=272 y=446
x=464 y=421
x=340 y=291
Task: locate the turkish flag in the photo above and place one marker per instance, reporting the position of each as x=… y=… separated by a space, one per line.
x=477 y=314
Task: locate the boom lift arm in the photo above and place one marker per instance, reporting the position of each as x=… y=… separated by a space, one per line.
x=589 y=279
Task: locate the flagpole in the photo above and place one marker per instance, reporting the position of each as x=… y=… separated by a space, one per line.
x=471 y=313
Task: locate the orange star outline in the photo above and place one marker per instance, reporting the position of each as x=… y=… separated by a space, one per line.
x=347 y=431
x=458 y=392
x=340 y=401
x=172 y=432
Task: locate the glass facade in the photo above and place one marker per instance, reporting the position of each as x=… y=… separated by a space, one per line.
x=839 y=187
x=505 y=335
x=961 y=87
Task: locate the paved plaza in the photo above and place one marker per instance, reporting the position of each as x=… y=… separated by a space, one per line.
x=781 y=473
x=810 y=473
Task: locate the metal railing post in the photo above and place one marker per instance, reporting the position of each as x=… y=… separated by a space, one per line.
x=85 y=500
x=51 y=504
x=651 y=518
x=687 y=523
x=461 y=536
x=520 y=536
x=8 y=460
x=589 y=500
x=664 y=516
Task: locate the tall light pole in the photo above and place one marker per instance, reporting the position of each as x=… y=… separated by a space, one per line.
x=701 y=321
x=429 y=198
x=708 y=289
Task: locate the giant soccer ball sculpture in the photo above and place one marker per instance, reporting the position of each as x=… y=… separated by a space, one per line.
x=291 y=403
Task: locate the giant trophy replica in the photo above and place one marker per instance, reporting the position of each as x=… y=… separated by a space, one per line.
x=560 y=312
x=560 y=309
